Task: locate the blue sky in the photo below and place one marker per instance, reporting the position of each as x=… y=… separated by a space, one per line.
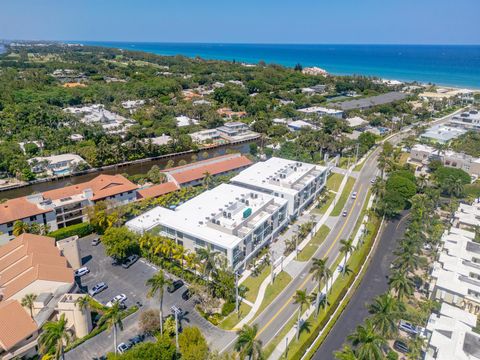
x=247 y=21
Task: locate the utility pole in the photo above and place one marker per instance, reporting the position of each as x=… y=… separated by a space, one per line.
x=356 y=153
x=236 y=293
x=297 y=235
x=271 y=266
x=176 y=312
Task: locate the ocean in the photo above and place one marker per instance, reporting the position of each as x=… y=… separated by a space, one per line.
x=449 y=65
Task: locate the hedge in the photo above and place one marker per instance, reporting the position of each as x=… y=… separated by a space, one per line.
x=82 y=229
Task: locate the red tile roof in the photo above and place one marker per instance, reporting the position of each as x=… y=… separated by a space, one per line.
x=196 y=171
x=29 y=258
x=158 y=190
x=102 y=186
x=15 y=325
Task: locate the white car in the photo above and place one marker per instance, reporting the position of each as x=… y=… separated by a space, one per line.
x=118 y=298
x=122 y=347
x=82 y=271
x=354 y=195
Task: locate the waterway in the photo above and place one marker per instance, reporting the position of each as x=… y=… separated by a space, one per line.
x=130 y=169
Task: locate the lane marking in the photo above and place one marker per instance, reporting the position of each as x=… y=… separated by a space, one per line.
x=288 y=302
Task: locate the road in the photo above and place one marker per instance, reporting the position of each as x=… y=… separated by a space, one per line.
x=374 y=283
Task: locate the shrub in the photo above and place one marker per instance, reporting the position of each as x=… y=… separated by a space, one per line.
x=80 y=230
x=227 y=308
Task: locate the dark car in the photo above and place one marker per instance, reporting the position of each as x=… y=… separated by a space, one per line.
x=177 y=284
x=136 y=340
x=186 y=295
x=401 y=346
x=130 y=261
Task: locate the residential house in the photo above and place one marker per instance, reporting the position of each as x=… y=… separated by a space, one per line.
x=63 y=164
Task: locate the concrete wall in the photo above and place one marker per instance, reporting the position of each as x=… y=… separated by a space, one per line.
x=71 y=251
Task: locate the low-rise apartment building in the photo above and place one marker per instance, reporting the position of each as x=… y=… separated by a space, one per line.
x=65 y=206
x=423 y=154
x=450 y=335
x=319 y=110
x=297 y=182
x=235 y=221
x=456 y=274
x=467 y=216
x=31 y=264
x=236 y=131
x=469 y=120
x=442 y=134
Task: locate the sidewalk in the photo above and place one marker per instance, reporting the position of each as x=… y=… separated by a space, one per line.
x=291 y=335
x=277 y=248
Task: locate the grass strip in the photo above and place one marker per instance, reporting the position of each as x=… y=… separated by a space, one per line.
x=312 y=246
x=344 y=197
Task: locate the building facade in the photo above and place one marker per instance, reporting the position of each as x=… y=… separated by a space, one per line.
x=232 y=220
x=297 y=182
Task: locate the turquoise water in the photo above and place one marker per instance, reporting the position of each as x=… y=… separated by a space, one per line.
x=440 y=64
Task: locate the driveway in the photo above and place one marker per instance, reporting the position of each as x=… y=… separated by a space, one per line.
x=374 y=283
x=131 y=282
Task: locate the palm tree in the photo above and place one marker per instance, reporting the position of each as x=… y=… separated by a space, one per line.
x=346 y=353
x=83 y=302
x=368 y=342
x=247 y=343
x=27 y=301
x=318 y=269
x=209 y=259
x=301 y=298
x=20 y=227
x=346 y=248
x=422 y=181
x=401 y=284
x=55 y=336
x=386 y=312
x=157 y=285
x=113 y=318
x=207 y=180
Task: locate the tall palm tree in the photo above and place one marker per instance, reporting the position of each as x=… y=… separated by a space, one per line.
x=113 y=318
x=27 y=301
x=247 y=343
x=207 y=180
x=209 y=259
x=346 y=248
x=368 y=342
x=157 y=285
x=301 y=298
x=20 y=227
x=83 y=302
x=401 y=284
x=386 y=312
x=55 y=336
x=318 y=269
x=346 y=353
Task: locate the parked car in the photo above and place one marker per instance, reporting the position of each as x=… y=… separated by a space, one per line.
x=117 y=298
x=408 y=327
x=344 y=214
x=372 y=181
x=82 y=271
x=177 y=284
x=186 y=295
x=130 y=261
x=122 y=347
x=96 y=241
x=97 y=288
x=354 y=195
x=136 y=340
x=401 y=346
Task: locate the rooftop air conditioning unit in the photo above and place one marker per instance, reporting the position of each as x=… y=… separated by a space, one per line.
x=218 y=222
x=225 y=214
x=247 y=202
x=229 y=215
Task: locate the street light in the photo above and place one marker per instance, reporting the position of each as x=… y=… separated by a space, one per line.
x=236 y=293
x=296 y=231
x=176 y=312
x=272 y=265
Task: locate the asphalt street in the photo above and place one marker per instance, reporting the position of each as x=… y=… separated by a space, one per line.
x=374 y=283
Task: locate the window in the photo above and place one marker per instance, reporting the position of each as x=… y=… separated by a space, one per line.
x=9 y=224
x=130 y=192
x=10 y=233
x=33 y=218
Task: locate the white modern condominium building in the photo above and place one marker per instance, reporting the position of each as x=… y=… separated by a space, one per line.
x=297 y=182
x=232 y=220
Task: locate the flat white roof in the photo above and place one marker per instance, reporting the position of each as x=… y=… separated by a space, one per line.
x=185 y=121
x=301 y=124
x=320 y=109
x=288 y=172
x=58 y=158
x=195 y=216
x=356 y=121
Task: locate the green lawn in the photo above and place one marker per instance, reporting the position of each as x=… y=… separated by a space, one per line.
x=359 y=166
x=314 y=243
x=231 y=320
x=344 y=197
x=253 y=284
x=403 y=158
x=333 y=181
x=272 y=291
x=322 y=209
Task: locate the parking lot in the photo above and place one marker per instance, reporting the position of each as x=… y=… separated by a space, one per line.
x=131 y=282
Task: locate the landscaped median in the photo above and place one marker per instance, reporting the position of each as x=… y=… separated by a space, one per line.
x=344 y=197
x=307 y=252
x=297 y=349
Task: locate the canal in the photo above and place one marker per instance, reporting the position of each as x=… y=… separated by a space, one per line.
x=130 y=169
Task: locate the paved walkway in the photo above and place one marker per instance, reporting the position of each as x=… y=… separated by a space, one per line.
x=290 y=265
